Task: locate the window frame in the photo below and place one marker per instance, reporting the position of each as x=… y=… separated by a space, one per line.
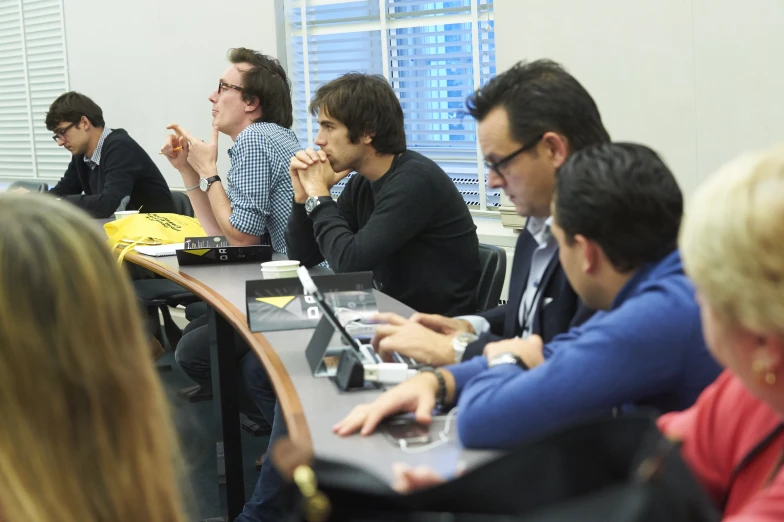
x=298 y=27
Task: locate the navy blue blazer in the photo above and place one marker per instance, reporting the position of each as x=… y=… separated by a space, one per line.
x=559 y=308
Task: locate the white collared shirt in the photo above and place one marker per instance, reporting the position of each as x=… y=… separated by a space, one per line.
x=539 y=228
x=95 y=160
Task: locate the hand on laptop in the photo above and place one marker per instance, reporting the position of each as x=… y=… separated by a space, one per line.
x=529 y=350
x=417 y=395
x=413 y=340
x=443 y=325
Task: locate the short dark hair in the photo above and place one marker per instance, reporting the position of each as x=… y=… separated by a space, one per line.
x=623 y=197
x=541 y=97
x=70 y=107
x=267 y=81
x=365 y=104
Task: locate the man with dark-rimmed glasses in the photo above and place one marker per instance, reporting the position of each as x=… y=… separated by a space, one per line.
x=530 y=119
x=252 y=105
x=109 y=171
x=252 y=202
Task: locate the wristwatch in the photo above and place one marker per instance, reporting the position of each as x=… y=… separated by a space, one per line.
x=313 y=201
x=506 y=358
x=460 y=342
x=205 y=183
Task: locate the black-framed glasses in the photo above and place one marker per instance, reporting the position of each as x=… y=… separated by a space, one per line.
x=59 y=134
x=222 y=86
x=506 y=159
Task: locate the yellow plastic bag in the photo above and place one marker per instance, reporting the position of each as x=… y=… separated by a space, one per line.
x=151 y=229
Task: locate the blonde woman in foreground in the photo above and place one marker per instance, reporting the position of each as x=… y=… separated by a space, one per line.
x=732 y=243
x=85 y=433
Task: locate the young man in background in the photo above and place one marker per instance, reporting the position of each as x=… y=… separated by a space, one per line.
x=108 y=167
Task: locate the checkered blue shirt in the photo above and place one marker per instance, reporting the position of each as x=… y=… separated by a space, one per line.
x=95 y=160
x=258 y=183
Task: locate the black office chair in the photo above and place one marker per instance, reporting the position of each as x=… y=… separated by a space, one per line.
x=159 y=294
x=182 y=203
x=492 y=262
x=32 y=186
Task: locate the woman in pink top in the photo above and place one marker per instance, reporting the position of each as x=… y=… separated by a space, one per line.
x=732 y=243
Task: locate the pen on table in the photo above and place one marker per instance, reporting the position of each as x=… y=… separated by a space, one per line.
x=175 y=149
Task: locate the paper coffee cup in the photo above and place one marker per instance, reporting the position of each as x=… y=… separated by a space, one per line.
x=279 y=269
x=124 y=213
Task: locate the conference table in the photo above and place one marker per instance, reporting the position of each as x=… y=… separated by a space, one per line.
x=309 y=405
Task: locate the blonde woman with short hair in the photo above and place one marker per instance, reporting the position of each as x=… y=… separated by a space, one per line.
x=85 y=433
x=732 y=242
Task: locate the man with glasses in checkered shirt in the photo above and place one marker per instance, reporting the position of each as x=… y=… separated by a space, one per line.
x=252 y=105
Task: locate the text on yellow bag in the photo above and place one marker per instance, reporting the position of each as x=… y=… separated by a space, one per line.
x=151 y=229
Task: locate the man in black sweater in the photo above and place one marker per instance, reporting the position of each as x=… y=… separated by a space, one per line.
x=107 y=166
x=401 y=217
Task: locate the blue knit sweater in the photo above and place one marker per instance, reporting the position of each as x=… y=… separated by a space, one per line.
x=646 y=350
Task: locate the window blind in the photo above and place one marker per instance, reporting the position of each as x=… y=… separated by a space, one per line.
x=33 y=73
x=433 y=54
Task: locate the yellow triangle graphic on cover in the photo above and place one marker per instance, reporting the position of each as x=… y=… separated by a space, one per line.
x=199 y=252
x=280 y=302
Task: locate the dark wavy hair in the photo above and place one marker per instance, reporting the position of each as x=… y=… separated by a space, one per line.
x=267 y=81
x=367 y=105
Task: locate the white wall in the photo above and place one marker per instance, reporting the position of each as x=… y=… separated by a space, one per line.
x=149 y=63
x=697 y=80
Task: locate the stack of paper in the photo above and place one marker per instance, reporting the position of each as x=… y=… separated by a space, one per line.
x=160 y=250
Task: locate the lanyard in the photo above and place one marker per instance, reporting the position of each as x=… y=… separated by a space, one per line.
x=528 y=310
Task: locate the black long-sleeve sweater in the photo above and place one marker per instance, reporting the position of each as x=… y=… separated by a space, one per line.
x=125 y=170
x=411 y=228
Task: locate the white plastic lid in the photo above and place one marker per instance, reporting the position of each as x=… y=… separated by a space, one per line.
x=275 y=266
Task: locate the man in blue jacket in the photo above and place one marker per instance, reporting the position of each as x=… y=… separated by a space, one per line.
x=617 y=209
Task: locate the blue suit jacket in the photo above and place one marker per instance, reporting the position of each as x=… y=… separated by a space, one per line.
x=559 y=308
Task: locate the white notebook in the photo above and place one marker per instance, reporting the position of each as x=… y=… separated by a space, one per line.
x=159 y=250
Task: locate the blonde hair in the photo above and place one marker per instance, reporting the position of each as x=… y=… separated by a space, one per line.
x=85 y=432
x=732 y=241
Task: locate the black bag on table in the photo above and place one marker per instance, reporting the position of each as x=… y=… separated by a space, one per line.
x=620 y=469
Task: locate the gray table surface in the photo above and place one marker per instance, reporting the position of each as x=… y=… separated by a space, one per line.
x=322 y=402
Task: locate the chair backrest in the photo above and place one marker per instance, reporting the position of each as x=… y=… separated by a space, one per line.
x=32 y=186
x=182 y=204
x=492 y=263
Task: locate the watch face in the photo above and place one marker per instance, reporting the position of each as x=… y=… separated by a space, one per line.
x=310 y=204
x=204 y=184
x=467 y=338
x=503 y=358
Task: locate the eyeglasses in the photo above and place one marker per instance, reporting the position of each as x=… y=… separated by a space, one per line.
x=59 y=134
x=222 y=86
x=506 y=159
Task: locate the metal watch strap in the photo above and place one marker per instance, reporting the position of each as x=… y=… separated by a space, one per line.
x=441 y=392
x=317 y=201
